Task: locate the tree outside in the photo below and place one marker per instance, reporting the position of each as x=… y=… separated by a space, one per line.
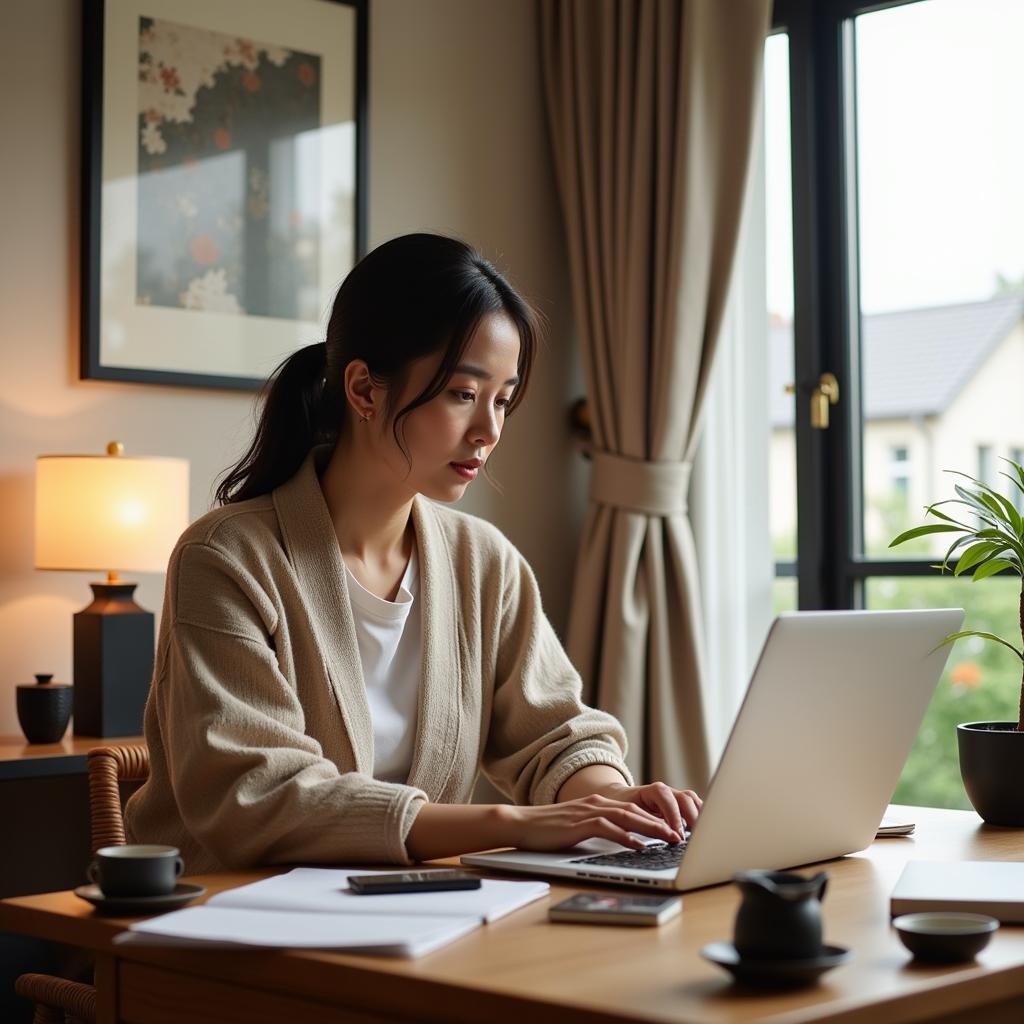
x=981 y=681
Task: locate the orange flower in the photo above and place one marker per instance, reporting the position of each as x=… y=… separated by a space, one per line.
x=251 y=82
x=169 y=76
x=222 y=138
x=306 y=73
x=966 y=674
x=204 y=250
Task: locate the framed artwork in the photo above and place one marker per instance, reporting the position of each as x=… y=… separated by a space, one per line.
x=224 y=183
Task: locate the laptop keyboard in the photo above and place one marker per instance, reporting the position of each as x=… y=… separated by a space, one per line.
x=650 y=858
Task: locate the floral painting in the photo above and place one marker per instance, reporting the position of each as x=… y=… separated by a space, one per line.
x=228 y=167
x=224 y=183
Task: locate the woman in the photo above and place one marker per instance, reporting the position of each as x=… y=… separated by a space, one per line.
x=340 y=652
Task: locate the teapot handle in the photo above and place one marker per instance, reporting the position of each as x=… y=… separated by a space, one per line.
x=824 y=884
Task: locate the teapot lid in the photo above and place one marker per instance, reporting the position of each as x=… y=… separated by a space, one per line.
x=44 y=681
x=782 y=883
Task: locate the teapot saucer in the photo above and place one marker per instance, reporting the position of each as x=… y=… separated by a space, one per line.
x=774 y=973
x=131 y=906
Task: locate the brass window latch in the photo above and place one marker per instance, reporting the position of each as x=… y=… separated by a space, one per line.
x=823 y=394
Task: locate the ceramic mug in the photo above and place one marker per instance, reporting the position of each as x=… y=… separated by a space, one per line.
x=139 y=870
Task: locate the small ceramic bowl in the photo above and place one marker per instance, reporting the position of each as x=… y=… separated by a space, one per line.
x=945 y=938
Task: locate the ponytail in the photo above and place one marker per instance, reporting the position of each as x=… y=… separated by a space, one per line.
x=291 y=423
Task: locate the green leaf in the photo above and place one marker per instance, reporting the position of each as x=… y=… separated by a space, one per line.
x=1018 y=520
x=984 y=636
x=1018 y=470
x=975 y=554
x=923 y=531
x=993 y=517
x=967 y=538
x=1004 y=538
x=1000 y=505
x=975 y=508
x=992 y=567
x=930 y=511
x=1010 y=514
x=999 y=536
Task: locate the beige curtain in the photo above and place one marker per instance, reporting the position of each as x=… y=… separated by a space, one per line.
x=651 y=109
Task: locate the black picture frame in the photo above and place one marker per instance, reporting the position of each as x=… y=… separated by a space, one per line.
x=204 y=346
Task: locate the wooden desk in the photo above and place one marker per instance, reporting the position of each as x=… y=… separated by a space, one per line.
x=524 y=968
x=20 y=759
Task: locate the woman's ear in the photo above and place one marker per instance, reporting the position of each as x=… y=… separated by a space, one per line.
x=363 y=396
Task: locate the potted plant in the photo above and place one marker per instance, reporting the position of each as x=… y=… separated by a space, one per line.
x=990 y=541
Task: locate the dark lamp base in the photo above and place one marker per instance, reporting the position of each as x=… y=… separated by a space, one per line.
x=113 y=662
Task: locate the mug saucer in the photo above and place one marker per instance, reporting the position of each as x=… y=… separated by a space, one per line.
x=183 y=893
x=774 y=973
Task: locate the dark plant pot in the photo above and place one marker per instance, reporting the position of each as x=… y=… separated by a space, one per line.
x=992 y=766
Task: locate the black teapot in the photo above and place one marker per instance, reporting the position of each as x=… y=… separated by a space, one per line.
x=780 y=915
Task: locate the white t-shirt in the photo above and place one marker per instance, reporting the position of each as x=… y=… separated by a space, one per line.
x=390 y=637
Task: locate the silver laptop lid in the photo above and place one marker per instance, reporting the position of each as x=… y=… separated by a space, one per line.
x=820 y=740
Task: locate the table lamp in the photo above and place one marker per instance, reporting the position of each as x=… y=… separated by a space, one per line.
x=110 y=512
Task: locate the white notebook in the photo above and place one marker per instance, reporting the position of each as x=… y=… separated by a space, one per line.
x=408 y=935
x=976 y=886
x=325 y=890
x=312 y=908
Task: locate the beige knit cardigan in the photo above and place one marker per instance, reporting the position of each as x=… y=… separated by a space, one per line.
x=258 y=726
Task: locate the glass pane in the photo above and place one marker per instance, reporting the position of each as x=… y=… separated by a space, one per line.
x=784 y=594
x=941 y=244
x=981 y=681
x=779 y=286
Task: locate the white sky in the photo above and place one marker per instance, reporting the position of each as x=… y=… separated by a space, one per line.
x=940 y=110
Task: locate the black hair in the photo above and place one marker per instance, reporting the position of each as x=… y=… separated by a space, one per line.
x=410 y=297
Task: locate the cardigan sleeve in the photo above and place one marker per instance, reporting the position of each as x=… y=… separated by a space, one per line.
x=250 y=784
x=540 y=732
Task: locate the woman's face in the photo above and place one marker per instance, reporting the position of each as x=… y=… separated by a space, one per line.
x=450 y=437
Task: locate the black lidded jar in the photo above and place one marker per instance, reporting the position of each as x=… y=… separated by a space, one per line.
x=44 y=709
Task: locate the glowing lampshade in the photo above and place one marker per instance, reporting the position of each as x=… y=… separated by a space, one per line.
x=109 y=512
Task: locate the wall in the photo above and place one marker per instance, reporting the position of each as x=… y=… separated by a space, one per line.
x=458 y=144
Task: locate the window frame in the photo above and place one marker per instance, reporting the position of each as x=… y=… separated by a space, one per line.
x=831 y=569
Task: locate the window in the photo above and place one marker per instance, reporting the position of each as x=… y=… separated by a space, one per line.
x=908 y=260
x=985 y=464
x=899 y=474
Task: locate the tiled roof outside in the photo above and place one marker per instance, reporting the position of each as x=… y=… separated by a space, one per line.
x=915 y=361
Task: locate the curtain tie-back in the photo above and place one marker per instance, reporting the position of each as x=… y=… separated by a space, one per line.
x=651 y=488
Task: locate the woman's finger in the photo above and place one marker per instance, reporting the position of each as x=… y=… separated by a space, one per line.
x=645 y=824
x=606 y=802
x=688 y=804
x=602 y=828
x=664 y=800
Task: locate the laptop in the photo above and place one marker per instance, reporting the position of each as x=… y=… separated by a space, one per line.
x=814 y=754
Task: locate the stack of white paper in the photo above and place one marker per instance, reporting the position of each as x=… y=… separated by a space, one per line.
x=384 y=934
x=313 y=908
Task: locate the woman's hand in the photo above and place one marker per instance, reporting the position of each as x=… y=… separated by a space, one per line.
x=447 y=830
x=679 y=808
x=598 y=816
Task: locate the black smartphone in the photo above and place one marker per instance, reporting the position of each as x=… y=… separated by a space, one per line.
x=413 y=881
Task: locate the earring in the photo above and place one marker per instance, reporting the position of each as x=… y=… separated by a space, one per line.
x=366 y=417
